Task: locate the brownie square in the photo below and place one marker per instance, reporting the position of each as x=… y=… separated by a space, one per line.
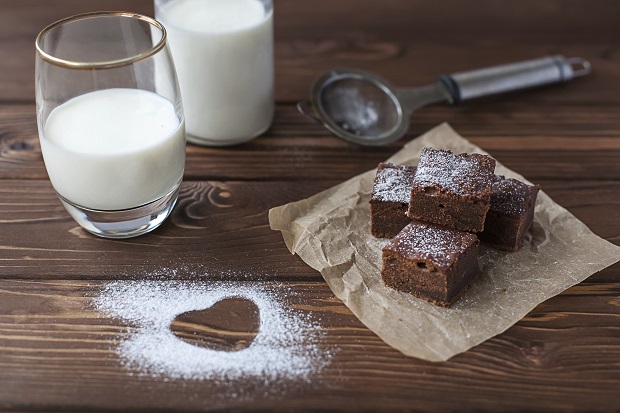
x=452 y=190
x=431 y=262
x=390 y=199
x=510 y=215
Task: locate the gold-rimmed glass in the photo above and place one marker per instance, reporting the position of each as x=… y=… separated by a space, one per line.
x=110 y=120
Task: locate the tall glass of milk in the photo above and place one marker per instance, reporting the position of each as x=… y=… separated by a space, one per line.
x=223 y=52
x=110 y=120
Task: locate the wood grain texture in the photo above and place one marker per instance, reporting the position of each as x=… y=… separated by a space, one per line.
x=229 y=325
x=54 y=341
x=410 y=44
x=217 y=230
x=575 y=143
x=58 y=354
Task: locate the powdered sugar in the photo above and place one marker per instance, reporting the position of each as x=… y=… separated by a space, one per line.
x=393 y=183
x=286 y=346
x=512 y=197
x=465 y=174
x=426 y=242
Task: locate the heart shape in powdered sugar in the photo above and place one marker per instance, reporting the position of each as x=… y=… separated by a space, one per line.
x=213 y=330
x=228 y=325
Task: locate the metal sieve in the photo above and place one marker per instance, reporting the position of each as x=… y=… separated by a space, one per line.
x=364 y=108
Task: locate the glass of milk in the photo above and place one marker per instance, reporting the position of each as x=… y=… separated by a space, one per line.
x=110 y=120
x=223 y=52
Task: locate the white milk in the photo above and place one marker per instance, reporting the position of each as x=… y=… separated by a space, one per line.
x=114 y=149
x=223 y=54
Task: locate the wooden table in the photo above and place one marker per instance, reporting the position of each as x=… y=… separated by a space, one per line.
x=57 y=353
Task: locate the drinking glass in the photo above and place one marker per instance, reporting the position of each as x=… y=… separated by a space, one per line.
x=110 y=121
x=223 y=52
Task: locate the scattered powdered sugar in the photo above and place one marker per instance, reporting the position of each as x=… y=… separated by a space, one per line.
x=285 y=347
x=428 y=242
x=393 y=183
x=466 y=174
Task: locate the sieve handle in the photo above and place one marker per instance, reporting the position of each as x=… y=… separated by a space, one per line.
x=514 y=76
x=305 y=108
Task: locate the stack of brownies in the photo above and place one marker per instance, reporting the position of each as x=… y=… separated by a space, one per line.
x=436 y=214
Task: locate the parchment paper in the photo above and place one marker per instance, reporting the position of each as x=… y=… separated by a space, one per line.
x=330 y=231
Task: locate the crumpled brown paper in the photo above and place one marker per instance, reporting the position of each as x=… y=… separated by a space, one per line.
x=330 y=231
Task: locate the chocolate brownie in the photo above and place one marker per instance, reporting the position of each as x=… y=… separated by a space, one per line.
x=390 y=199
x=452 y=190
x=431 y=262
x=510 y=215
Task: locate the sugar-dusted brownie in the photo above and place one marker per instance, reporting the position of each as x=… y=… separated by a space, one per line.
x=431 y=262
x=390 y=199
x=510 y=215
x=452 y=190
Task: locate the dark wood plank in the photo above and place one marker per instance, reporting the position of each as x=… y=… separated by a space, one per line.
x=564 y=20
x=565 y=145
x=410 y=44
x=215 y=228
x=401 y=61
x=56 y=352
x=55 y=345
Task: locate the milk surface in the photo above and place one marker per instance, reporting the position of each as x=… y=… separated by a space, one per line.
x=223 y=53
x=114 y=149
